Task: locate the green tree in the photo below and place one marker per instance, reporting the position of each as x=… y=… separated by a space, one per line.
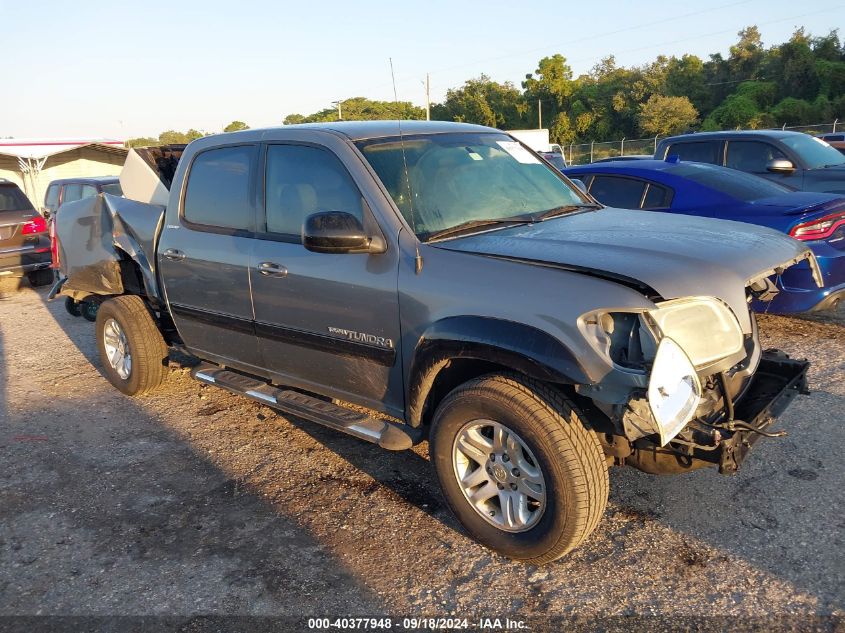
x=746 y=54
x=792 y=111
x=485 y=102
x=236 y=126
x=685 y=77
x=800 y=79
x=737 y=111
x=142 y=141
x=361 y=109
x=667 y=115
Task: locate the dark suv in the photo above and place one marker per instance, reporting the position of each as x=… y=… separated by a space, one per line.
x=794 y=159
x=70 y=189
x=24 y=242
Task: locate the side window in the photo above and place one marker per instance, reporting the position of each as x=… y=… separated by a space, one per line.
x=72 y=192
x=219 y=188
x=51 y=200
x=302 y=180
x=88 y=191
x=751 y=156
x=615 y=191
x=657 y=197
x=699 y=152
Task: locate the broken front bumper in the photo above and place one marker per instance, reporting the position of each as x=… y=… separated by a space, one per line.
x=777 y=381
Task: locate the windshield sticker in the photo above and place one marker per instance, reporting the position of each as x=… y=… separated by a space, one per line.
x=518 y=152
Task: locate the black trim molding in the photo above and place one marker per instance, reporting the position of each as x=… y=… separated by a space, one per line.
x=291 y=336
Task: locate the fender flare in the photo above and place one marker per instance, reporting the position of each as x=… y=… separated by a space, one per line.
x=521 y=347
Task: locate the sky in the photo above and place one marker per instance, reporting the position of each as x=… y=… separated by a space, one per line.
x=120 y=70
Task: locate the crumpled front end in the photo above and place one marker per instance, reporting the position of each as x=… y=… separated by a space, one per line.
x=690 y=387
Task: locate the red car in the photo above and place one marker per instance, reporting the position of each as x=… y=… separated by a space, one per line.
x=24 y=241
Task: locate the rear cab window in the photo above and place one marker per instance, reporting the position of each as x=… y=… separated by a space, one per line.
x=618 y=191
x=627 y=192
x=697 y=151
x=51 y=199
x=219 y=195
x=72 y=193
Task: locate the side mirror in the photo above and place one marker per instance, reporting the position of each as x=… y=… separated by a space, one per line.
x=780 y=166
x=579 y=183
x=338 y=232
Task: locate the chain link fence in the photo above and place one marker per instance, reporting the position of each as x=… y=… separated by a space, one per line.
x=584 y=153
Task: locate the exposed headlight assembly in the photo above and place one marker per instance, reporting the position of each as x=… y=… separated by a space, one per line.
x=704 y=327
x=674 y=389
x=678 y=340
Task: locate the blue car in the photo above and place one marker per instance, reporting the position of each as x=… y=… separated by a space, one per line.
x=700 y=189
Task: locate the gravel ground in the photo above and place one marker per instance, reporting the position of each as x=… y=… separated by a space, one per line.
x=195 y=501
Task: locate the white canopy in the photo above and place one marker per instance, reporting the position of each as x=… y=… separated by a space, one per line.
x=40 y=148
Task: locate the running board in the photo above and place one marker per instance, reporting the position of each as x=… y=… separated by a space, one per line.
x=395 y=437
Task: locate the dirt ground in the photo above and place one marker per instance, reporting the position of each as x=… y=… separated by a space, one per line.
x=193 y=501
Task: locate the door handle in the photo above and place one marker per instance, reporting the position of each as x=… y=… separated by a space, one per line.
x=174 y=255
x=272 y=269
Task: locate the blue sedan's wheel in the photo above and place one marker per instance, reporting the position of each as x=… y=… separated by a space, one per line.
x=72 y=307
x=89 y=310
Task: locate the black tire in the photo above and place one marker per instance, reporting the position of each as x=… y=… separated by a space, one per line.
x=569 y=455
x=88 y=309
x=72 y=307
x=146 y=347
x=43 y=277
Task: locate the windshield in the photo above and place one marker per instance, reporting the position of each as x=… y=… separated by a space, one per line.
x=112 y=189
x=12 y=199
x=814 y=152
x=733 y=183
x=453 y=179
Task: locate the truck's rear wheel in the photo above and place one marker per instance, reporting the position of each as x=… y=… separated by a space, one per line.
x=518 y=467
x=132 y=351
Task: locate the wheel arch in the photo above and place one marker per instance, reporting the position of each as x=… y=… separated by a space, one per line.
x=457 y=349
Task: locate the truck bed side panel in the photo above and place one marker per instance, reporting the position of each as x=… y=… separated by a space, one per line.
x=96 y=233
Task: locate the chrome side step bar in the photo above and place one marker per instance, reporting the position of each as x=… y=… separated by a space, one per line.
x=389 y=435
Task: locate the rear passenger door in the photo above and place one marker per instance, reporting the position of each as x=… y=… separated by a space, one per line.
x=325 y=322
x=205 y=258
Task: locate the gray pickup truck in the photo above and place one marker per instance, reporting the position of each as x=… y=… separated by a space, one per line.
x=441 y=282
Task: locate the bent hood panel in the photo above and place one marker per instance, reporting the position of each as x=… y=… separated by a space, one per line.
x=676 y=255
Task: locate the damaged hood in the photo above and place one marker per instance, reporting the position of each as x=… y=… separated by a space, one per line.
x=675 y=255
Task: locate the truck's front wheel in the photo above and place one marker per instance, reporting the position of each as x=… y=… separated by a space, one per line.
x=132 y=350
x=518 y=467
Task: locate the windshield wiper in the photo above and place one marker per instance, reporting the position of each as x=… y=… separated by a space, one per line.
x=470 y=225
x=556 y=211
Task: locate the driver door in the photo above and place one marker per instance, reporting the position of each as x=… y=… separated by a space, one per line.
x=325 y=322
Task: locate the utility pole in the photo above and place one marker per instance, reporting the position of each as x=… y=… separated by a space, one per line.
x=539 y=114
x=427 y=98
x=339 y=111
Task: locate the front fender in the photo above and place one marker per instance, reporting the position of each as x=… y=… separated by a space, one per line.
x=521 y=347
